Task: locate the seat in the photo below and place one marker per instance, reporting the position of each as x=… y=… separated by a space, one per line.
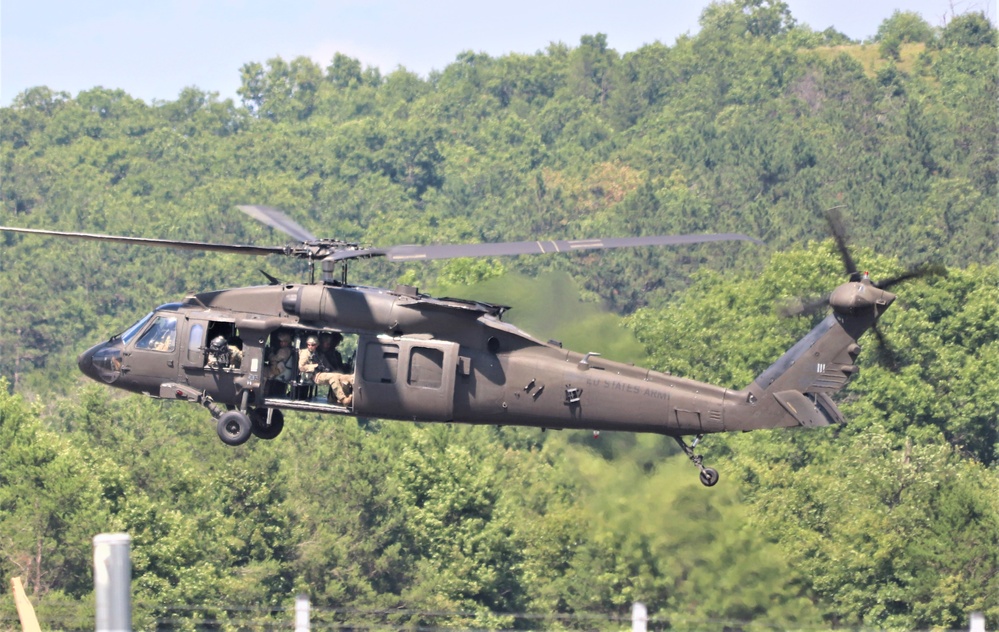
x=303 y=387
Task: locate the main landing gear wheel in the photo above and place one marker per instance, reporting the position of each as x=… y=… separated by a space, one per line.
x=260 y=427
x=709 y=476
x=234 y=428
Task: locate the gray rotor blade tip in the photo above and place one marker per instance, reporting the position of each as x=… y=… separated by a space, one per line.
x=278 y=220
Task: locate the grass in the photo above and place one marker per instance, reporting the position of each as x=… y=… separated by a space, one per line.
x=869 y=56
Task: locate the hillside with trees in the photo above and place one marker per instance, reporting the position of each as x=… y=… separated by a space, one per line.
x=756 y=124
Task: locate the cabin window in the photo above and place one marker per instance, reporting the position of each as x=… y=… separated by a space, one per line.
x=426 y=368
x=195 y=337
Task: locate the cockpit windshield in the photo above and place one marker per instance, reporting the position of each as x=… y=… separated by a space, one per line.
x=161 y=335
x=127 y=335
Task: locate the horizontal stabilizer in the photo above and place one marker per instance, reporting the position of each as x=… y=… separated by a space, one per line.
x=810 y=410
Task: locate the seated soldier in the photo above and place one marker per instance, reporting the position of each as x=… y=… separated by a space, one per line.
x=282 y=360
x=328 y=368
x=328 y=344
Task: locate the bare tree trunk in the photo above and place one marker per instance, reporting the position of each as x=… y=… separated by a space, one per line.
x=17 y=360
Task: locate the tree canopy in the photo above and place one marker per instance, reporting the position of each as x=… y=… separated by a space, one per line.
x=756 y=124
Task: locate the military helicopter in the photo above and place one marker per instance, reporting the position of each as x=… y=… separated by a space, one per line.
x=421 y=358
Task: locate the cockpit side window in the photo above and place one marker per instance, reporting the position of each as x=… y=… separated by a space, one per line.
x=127 y=335
x=161 y=335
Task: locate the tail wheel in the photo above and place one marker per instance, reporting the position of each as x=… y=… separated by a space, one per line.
x=234 y=428
x=709 y=475
x=261 y=429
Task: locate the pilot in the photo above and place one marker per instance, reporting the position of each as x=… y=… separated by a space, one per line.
x=166 y=341
x=328 y=368
x=282 y=365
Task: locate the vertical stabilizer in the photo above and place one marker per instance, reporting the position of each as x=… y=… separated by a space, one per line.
x=796 y=389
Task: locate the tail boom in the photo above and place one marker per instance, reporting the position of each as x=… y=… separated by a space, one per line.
x=796 y=390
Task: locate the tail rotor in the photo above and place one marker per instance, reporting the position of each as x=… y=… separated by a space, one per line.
x=812 y=306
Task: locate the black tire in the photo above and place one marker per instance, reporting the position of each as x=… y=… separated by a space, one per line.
x=709 y=476
x=260 y=429
x=234 y=428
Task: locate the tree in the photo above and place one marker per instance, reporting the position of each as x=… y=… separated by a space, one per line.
x=344 y=72
x=972 y=30
x=748 y=18
x=51 y=505
x=905 y=26
x=892 y=537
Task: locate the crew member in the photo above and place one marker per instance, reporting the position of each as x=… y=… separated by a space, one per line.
x=282 y=364
x=223 y=353
x=328 y=368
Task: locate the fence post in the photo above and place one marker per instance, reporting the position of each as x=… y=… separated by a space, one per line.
x=977 y=623
x=639 y=617
x=113 y=582
x=302 y=607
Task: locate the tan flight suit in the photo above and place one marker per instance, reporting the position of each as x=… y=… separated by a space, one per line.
x=341 y=383
x=281 y=367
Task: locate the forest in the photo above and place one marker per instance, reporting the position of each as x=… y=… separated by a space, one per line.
x=755 y=124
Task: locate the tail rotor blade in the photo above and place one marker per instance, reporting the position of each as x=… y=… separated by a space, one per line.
x=885 y=351
x=804 y=307
x=838 y=230
x=931 y=269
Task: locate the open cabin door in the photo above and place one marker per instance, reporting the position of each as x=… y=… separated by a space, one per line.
x=404 y=378
x=199 y=371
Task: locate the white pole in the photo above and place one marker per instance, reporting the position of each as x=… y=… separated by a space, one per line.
x=302 y=613
x=977 y=622
x=639 y=617
x=113 y=582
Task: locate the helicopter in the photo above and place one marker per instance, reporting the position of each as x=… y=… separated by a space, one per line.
x=420 y=358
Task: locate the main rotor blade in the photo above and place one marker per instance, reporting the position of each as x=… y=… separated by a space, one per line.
x=161 y=243
x=278 y=220
x=454 y=251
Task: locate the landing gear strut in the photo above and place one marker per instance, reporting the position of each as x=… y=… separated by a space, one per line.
x=709 y=476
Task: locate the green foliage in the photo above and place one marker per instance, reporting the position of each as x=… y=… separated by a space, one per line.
x=50 y=505
x=754 y=125
x=892 y=538
x=905 y=26
x=728 y=330
x=972 y=30
x=692 y=555
x=944 y=378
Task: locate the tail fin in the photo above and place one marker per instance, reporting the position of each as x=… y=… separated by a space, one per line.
x=796 y=389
